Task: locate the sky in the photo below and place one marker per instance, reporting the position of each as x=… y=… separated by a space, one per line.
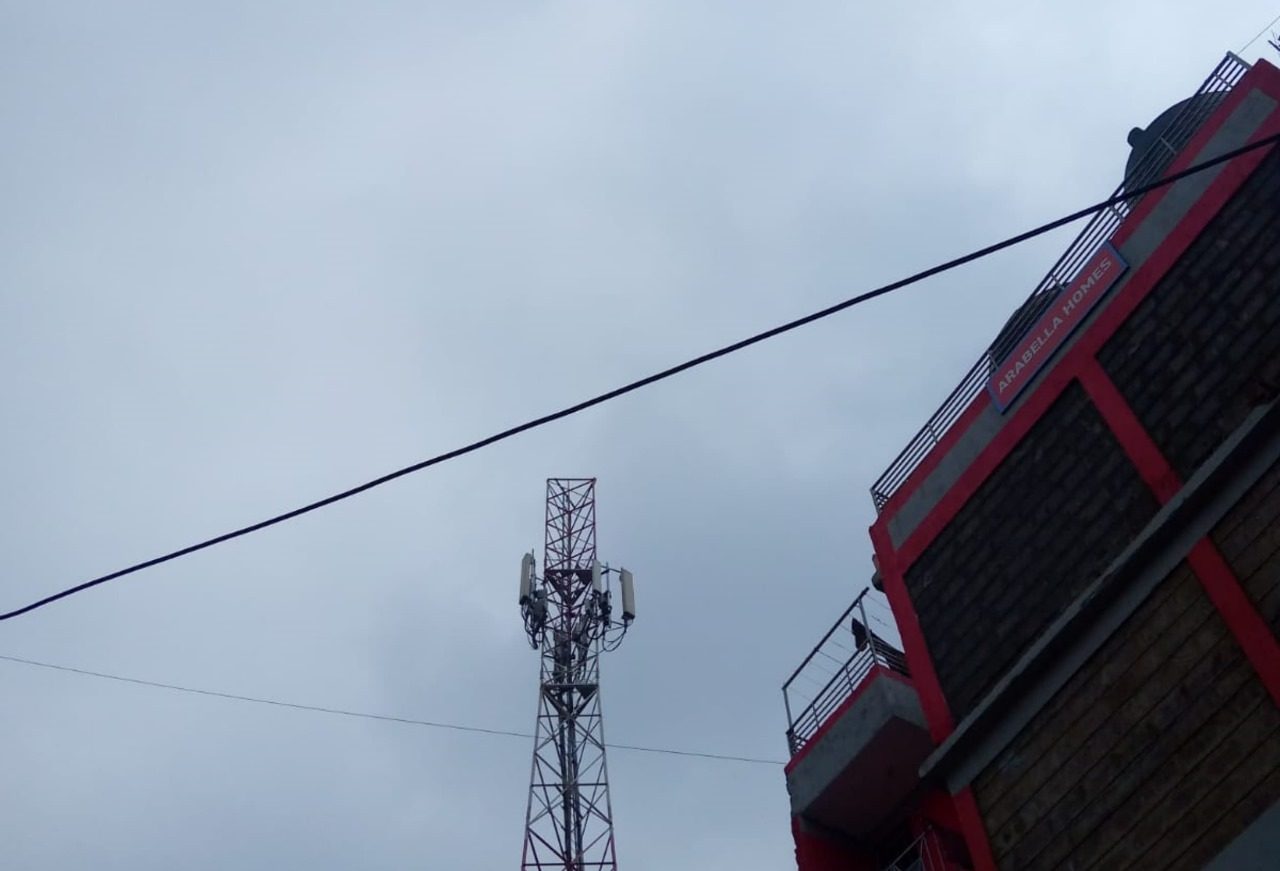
x=253 y=253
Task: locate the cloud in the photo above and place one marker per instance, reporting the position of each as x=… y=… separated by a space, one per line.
x=254 y=254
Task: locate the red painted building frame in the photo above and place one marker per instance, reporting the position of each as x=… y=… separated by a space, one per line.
x=1079 y=363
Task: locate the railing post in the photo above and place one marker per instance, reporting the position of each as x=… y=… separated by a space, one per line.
x=937 y=861
x=791 y=731
x=866 y=624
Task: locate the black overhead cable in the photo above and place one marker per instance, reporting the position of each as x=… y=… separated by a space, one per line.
x=408 y=721
x=1259 y=34
x=655 y=377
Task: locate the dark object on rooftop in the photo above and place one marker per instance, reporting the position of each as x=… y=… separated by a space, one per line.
x=1143 y=167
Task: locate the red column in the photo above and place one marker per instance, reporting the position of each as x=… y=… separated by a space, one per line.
x=1220 y=584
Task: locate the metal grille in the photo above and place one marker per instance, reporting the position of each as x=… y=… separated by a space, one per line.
x=1151 y=165
x=835 y=668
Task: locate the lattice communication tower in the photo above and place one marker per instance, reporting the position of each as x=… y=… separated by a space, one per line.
x=569 y=616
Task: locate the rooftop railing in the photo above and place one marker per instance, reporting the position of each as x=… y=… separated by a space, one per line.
x=845 y=657
x=1151 y=164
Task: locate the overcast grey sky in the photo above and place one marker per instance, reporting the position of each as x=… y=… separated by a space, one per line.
x=253 y=253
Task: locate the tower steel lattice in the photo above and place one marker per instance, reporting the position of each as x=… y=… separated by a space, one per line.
x=568 y=616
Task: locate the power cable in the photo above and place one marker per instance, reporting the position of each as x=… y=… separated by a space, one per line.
x=408 y=721
x=1259 y=34
x=655 y=377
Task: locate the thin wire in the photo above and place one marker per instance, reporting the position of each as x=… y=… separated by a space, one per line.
x=1259 y=35
x=655 y=377
x=408 y=721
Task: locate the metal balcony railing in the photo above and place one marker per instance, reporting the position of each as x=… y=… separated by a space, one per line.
x=1148 y=168
x=839 y=663
x=924 y=854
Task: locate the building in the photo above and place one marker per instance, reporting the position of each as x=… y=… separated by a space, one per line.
x=1081 y=550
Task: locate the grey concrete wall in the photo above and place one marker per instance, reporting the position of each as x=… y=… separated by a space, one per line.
x=831 y=754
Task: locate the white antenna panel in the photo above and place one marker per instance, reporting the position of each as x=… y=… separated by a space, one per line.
x=628 y=596
x=526 y=577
